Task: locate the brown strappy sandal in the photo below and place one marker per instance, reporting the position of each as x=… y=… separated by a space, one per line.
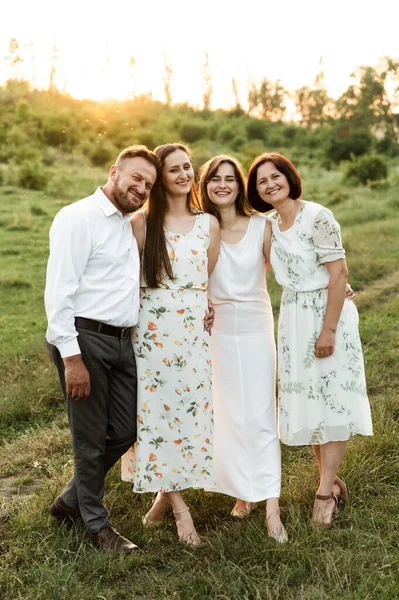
x=343 y=498
x=333 y=514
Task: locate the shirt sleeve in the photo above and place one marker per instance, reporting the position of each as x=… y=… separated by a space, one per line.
x=70 y=248
x=327 y=237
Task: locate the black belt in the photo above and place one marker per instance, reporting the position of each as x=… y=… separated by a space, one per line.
x=91 y=325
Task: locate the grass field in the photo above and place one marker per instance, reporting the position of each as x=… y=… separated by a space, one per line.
x=358 y=559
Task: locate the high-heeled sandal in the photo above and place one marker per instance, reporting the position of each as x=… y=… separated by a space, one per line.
x=279 y=534
x=191 y=538
x=343 y=498
x=241 y=513
x=333 y=514
x=148 y=520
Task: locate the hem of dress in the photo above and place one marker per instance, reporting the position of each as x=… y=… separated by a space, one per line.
x=179 y=489
x=244 y=497
x=324 y=441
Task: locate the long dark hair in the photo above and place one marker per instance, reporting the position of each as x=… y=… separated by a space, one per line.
x=208 y=170
x=156 y=262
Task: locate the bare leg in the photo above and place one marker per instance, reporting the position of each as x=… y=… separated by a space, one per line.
x=336 y=488
x=316 y=452
x=275 y=528
x=157 y=510
x=185 y=526
x=331 y=456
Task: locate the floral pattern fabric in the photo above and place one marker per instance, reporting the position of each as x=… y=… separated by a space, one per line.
x=320 y=399
x=175 y=418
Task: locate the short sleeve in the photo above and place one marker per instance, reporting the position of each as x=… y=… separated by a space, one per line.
x=327 y=237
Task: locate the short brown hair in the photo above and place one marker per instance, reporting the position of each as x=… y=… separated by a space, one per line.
x=142 y=152
x=282 y=164
x=208 y=170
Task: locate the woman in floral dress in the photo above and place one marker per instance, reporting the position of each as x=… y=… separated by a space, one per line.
x=179 y=247
x=322 y=389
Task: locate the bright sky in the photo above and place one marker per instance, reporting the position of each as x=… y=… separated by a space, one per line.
x=278 y=40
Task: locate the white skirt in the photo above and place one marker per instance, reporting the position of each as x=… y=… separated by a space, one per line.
x=246 y=445
x=320 y=399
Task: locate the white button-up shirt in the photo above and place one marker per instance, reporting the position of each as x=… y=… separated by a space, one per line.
x=93 y=270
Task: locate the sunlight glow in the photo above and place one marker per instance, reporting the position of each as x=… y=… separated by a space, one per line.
x=95 y=43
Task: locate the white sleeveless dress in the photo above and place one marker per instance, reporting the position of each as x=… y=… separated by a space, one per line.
x=246 y=444
x=320 y=399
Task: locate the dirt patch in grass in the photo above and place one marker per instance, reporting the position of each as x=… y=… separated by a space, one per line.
x=13 y=487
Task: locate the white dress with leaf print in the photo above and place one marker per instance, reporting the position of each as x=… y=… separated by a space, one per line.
x=320 y=399
x=174 y=403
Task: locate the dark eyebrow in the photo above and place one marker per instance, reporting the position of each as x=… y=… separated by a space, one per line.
x=186 y=164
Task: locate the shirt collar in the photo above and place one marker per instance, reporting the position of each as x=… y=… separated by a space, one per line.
x=106 y=205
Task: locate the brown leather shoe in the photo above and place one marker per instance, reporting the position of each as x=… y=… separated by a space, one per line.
x=61 y=512
x=109 y=539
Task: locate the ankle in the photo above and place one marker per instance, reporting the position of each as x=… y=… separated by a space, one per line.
x=181 y=511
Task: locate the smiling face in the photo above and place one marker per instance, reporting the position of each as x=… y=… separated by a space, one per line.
x=131 y=183
x=272 y=186
x=223 y=187
x=177 y=173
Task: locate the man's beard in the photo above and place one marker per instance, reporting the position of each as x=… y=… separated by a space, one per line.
x=125 y=204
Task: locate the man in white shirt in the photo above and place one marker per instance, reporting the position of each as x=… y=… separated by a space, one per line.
x=92 y=303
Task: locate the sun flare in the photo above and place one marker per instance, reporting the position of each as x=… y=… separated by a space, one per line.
x=99 y=52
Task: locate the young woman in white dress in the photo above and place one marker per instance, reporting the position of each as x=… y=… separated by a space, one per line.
x=322 y=388
x=179 y=246
x=246 y=445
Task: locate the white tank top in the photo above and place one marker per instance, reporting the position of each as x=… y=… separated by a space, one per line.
x=240 y=273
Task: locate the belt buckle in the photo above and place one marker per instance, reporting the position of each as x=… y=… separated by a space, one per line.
x=125 y=332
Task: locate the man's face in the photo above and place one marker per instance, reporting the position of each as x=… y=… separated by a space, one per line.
x=131 y=183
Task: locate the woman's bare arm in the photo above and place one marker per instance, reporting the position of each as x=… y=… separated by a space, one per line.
x=336 y=296
x=267 y=238
x=139 y=229
x=214 y=245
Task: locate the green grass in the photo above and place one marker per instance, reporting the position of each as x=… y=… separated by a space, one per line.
x=358 y=559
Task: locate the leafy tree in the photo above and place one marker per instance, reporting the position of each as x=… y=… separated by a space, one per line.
x=32 y=174
x=235 y=94
x=53 y=70
x=311 y=102
x=167 y=79
x=207 y=85
x=267 y=99
x=367 y=168
x=14 y=59
x=343 y=143
x=367 y=102
x=193 y=130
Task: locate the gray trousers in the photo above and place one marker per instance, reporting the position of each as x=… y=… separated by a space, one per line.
x=104 y=425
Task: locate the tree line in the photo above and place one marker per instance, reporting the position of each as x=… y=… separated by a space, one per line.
x=372 y=98
x=357 y=131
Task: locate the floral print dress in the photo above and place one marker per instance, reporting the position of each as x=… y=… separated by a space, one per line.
x=320 y=399
x=174 y=403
